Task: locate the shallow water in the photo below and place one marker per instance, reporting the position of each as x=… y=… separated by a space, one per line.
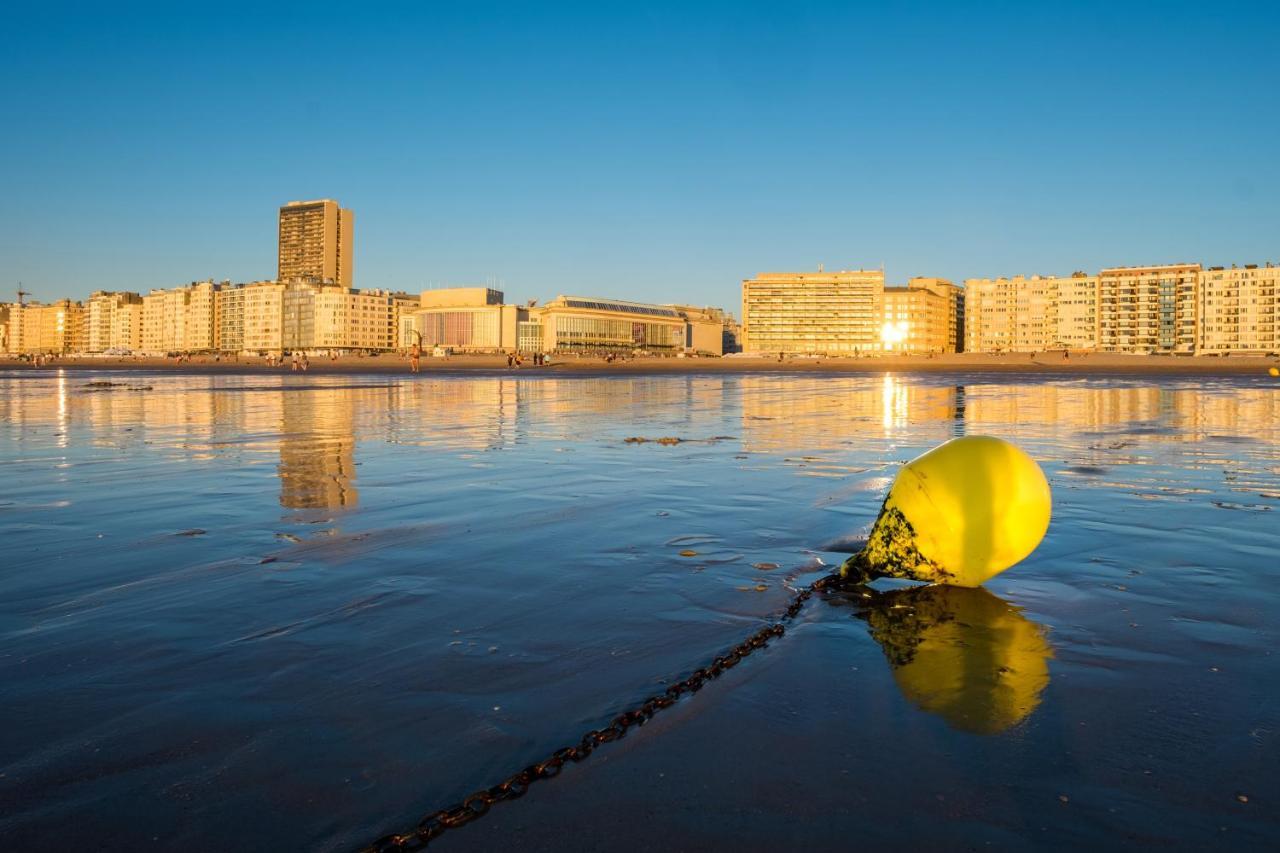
x=264 y=613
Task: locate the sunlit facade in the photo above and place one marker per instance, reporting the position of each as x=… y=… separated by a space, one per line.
x=990 y=314
x=57 y=328
x=529 y=335
x=1008 y=314
x=200 y=317
x=113 y=320
x=464 y=319
x=1031 y=313
x=832 y=313
x=954 y=295
x=163 y=320
x=464 y=329
x=230 y=317
x=1148 y=309
x=1076 y=312
x=921 y=317
x=180 y=319
x=264 y=316
x=337 y=318
x=1238 y=310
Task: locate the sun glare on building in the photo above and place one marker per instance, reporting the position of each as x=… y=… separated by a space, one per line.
x=893 y=333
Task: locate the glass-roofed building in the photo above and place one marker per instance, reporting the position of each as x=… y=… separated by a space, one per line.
x=588 y=324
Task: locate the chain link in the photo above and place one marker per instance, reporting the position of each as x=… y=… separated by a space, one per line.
x=477 y=805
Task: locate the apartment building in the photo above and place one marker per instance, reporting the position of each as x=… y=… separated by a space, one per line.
x=126 y=324
x=991 y=320
x=1076 y=312
x=1148 y=309
x=263 y=316
x=1031 y=313
x=346 y=319
x=315 y=243
x=34 y=327
x=164 y=321
x=319 y=316
x=229 y=313
x=200 y=319
x=834 y=313
x=1237 y=310
x=921 y=317
x=954 y=295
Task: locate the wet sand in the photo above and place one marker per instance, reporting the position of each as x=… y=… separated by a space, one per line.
x=1051 y=363
x=297 y=613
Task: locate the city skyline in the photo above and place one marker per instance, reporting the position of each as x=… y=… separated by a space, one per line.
x=668 y=153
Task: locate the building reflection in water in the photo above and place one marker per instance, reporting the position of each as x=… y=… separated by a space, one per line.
x=791 y=413
x=312 y=426
x=965 y=655
x=317 y=449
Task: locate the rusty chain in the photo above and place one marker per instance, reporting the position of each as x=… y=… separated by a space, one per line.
x=477 y=805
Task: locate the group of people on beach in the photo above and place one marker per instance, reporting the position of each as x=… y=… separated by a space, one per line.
x=515 y=359
x=38 y=359
x=298 y=360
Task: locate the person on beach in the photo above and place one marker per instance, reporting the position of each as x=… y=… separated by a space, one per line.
x=296 y=362
x=306 y=363
x=415 y=355
x=511 y=360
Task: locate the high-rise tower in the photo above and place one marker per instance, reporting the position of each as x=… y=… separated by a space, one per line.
x=315 y=242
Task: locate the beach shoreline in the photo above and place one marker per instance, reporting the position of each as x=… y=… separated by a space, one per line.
x=1039 y=364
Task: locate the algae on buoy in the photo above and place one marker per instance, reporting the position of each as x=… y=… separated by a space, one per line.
x=959 y=514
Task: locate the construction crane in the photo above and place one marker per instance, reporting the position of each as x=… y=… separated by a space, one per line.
x=22 y=294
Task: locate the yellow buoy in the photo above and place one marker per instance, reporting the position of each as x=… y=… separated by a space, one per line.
x=1274 y=371
x=960 y=514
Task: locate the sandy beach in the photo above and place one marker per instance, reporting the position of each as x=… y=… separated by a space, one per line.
x=1052 y=363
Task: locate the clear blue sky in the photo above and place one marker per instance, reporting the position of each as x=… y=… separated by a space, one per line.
x=643 y=150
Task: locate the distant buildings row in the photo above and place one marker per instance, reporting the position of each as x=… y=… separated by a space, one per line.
x=1179 y=309
x=207 y=317
x=311 y=304
x=1176 y=309
x=270 y=316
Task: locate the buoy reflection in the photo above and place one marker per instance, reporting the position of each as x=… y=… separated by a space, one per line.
x=961 y=653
